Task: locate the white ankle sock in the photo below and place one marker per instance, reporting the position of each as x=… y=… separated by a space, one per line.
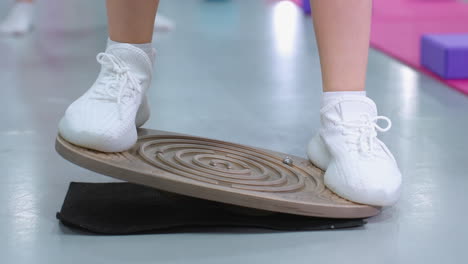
x=328 y=96
x=146 y=47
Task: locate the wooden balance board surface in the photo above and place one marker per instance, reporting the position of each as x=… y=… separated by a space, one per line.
x=220 y=171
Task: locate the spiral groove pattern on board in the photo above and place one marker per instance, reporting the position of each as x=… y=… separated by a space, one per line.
x=222 y=163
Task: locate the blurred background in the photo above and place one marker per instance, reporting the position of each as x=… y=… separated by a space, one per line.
x=242 y=71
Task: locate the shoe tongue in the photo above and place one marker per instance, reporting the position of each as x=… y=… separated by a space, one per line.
x=352 y=109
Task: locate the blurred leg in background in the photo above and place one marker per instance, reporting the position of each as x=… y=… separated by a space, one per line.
x=19 y=20
x=358 y=165
x=105 y=118
x=163 y=23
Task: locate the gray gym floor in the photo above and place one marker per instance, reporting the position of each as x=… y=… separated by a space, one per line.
x=242 y=71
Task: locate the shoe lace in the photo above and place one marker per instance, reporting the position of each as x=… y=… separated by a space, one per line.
x=118 y=85
x=363 y=134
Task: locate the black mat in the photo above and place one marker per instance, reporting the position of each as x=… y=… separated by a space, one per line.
x=125 y=208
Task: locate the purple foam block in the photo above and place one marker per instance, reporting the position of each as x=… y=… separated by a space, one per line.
x=446 y=55
x=306 y=6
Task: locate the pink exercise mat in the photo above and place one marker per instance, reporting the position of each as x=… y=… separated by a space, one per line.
x=397 y=26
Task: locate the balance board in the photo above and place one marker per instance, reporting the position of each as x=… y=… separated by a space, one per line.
x=220 y=171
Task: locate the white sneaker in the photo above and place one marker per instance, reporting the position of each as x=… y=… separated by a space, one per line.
x=359 y=167
x=19 y=20
x=106 y=116
x=163 y=24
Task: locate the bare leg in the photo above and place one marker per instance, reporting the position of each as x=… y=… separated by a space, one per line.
x=342 y=28
x=131 y=21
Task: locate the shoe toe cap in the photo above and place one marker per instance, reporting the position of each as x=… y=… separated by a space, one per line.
x=377 y=184
x=94 y=134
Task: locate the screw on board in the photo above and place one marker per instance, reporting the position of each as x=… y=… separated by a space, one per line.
x=288 y=161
